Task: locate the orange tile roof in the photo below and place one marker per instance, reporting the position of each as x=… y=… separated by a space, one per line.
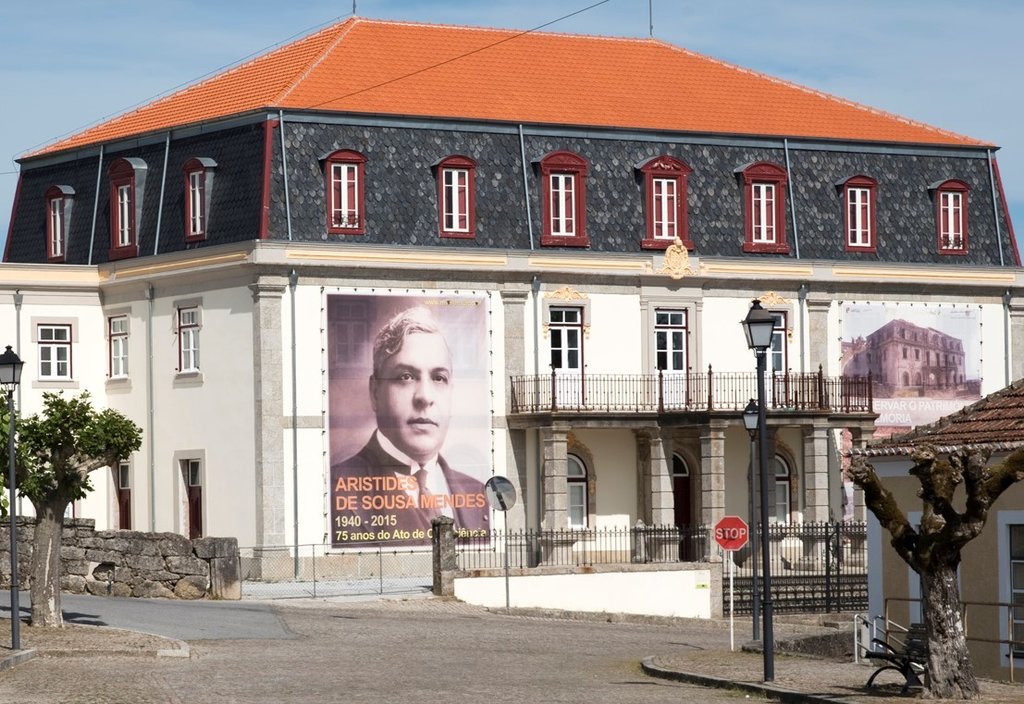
x=407 y=69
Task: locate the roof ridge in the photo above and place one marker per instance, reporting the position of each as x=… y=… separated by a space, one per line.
x=822 y=94
x=316 y=61
x=508 y=30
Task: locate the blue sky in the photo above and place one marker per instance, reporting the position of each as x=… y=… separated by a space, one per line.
x=65 y=64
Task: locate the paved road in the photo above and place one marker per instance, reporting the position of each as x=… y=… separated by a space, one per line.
x=185 y=620
x=404 y=651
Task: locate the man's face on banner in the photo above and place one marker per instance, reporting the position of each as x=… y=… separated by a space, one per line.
x=412 y=396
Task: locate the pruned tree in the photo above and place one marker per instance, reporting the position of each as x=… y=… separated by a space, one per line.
x=56 y=451
x=933 y=548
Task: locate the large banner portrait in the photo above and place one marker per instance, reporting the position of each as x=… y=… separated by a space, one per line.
x=925 y=360
x=409 y=416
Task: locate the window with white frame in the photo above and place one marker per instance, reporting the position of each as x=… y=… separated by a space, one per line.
x=123 y=217
x=566 y=329
x=196 y=204
x=54 y=352
x=665 y=187
x=563 y=205
x=117 y=329
x=951 y=216
x=563 y=178
x=670 y=340
x=764 y=195
x=1017 y=586
x=763 y=210
x=783 y=475
x=777 y=352
x=59 y=200
x=576 y=485
x=345 y=192
x=456 y=196
x=188 y=339
x=56 y=208
x=859 y=193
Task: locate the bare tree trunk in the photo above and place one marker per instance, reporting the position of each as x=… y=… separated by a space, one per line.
x=44 y=586
x=950 y=671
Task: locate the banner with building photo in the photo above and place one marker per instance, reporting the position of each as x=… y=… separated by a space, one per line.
x=408 y=416
x=925 y=360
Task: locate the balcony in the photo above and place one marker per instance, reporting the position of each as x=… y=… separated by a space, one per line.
x=690 y=392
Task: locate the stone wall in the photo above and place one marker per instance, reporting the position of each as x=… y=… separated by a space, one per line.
x=131 y=563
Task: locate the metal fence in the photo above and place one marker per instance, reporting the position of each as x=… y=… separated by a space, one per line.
x=815 y=567
x=577 y=548
x=315 y=570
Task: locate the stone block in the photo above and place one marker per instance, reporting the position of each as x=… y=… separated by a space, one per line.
x=149 y=589
x=98 y=588
x=191 y=587
x=224 y=580
x=120 y=589
x=207 y=548
x=187 y=565
x=74 y=583
x=111 y=556
x=173 y=544
x=144 y=562
x=157 y=576
x=79 y=567
x=71 y=552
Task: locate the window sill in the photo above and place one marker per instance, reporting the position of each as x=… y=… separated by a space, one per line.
x=664 y=244
x=953 y=252
x=452 y=235
x=55 y=384
x=201 y=237
x=760 y=248
x=190 y=378
x=361 y=230
x=562 y=241
x=119 y=383
x=115 y=253
x=862 y=249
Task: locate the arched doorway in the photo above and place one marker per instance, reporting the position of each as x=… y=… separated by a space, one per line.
x=682 y=504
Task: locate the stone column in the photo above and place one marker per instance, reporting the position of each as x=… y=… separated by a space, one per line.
x=859 y=440
x=816 y=472
x=712 y=475
x=268 y=394
x=656 y=478
x=1016 y=309
x=515 y=444
x=818 y=307
x=555 y=453
x=444 y=559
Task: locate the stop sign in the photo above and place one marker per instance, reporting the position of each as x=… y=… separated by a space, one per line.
x=731 y=533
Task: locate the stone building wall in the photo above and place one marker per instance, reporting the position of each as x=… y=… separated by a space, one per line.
x=131 y=563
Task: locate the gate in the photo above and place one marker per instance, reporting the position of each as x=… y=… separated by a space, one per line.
x=279 y=572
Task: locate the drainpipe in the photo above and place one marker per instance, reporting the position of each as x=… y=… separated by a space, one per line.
x=792 y=200
x=1008 y=373
x=160 y=207
x=293 y=281
x=150 y=413
x=804 y=335
x=995 y=214
x=95 y=204
x=539 y=476
x=284 y=170
x=526 y=195
x=18 y=298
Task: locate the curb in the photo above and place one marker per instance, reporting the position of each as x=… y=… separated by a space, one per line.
x=15 y=659
x=787 y=696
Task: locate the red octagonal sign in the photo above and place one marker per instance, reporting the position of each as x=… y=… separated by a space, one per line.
x=731 y=533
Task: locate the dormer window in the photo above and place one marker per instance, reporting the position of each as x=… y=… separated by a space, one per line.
x=665 y=193
x=345 y=196
x=198 y=187
x=951 y=215
x=564 y=202
x=127 y=183
x=859 y=193
x=456 y=196
x=764 y=206
x=59 y=200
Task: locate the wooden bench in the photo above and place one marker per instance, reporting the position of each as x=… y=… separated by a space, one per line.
x=906 y=654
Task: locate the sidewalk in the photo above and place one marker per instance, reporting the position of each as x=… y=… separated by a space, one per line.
x=798 y=679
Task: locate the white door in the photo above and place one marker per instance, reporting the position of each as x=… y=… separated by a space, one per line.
x=565 y=326
x=670 y=355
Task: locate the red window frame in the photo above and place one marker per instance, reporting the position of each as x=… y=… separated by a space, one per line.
x=947 y=194
x=351 y=192
x=850 y=208
x=755 y=176
x=657 y=172
x=56 y=232
x=195 y=168
x=554 y=168
x=122 y=175
x=458 y=222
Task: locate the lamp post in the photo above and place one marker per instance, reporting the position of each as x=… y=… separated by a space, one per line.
x=10 y=376
x=750 y=418
x=759 y=326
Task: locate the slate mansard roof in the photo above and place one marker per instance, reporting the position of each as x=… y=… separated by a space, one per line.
x=396 y=68
x=406 y=96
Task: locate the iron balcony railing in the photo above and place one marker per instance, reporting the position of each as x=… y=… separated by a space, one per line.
x=687 y=391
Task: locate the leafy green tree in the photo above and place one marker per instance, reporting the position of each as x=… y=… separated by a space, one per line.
x=56 y=451
x=950 y=519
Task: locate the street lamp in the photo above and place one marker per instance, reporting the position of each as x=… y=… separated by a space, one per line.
x=759 y=326
x=750 y=417
x=10 y=377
